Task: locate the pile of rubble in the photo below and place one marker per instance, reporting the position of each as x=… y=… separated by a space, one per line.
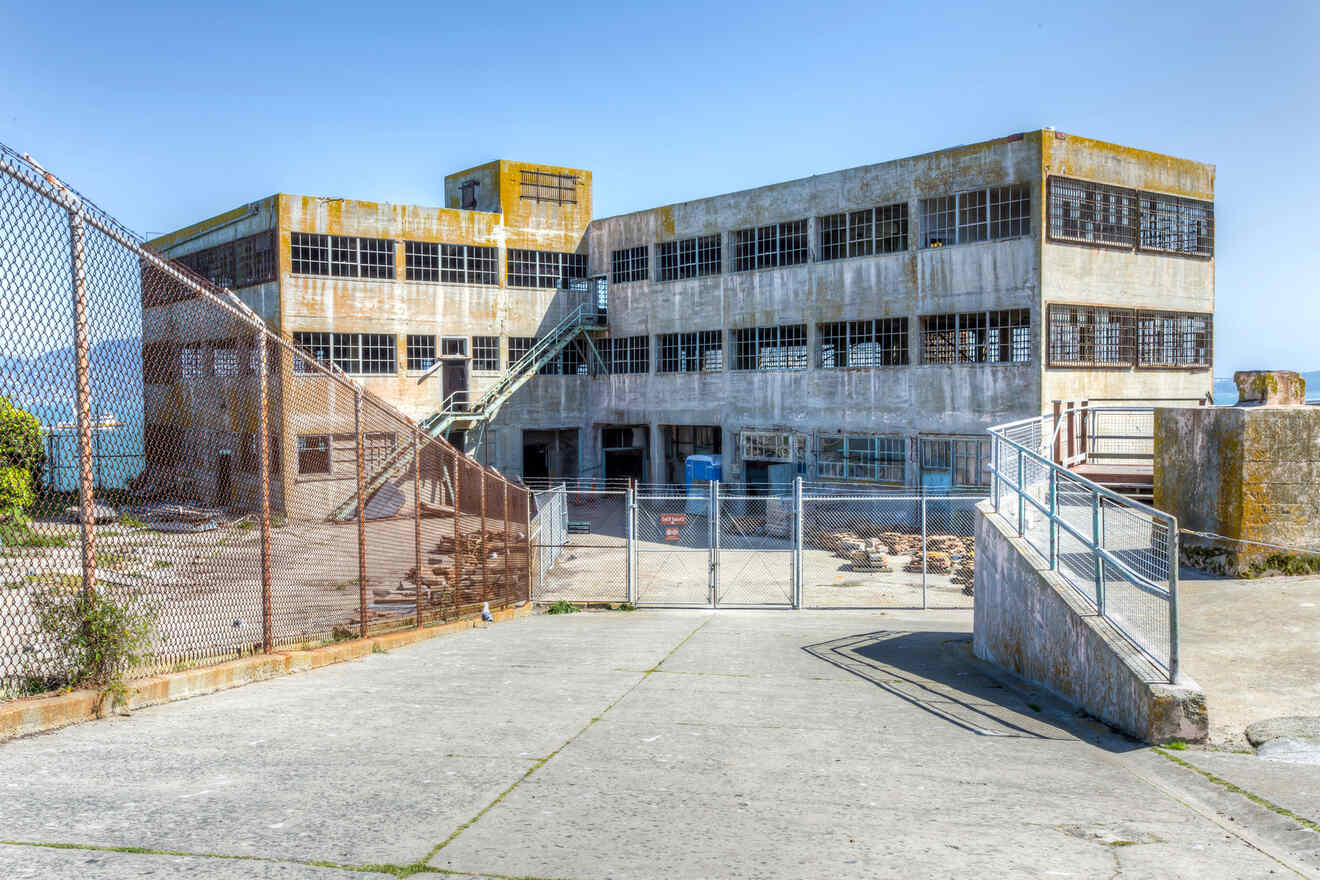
x=452 y=576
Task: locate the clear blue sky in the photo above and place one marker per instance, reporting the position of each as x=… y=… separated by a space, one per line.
x=167 y=113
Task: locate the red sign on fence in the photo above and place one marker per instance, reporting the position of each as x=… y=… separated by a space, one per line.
x=673 y=519
x=671 y=534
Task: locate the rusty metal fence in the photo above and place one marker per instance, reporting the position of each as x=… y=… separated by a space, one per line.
x=162 y=445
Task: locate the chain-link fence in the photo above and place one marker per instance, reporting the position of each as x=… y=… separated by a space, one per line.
x=164 y=449
x=713 y=548
x=1121 y=556
x=582 y=545
x=888 y=551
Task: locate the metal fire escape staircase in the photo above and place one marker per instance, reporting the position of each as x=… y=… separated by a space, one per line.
x=458 y=414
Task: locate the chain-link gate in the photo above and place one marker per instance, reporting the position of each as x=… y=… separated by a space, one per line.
x=584 y=555
x=755 y=549
x=672 y=555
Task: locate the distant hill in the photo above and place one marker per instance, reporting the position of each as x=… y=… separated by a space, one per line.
x=47 y=379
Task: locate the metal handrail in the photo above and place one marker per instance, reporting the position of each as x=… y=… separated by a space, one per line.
x=1104 y=560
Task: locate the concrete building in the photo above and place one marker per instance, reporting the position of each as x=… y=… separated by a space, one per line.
x=865 y=325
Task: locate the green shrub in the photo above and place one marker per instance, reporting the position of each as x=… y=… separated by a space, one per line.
x=16 y=493
x=98 y=639
x=563 y=606
x=20 y=443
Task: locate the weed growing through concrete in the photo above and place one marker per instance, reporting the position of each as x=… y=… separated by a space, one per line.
x=97 y=637
x=1177 y=745
x=627 y=606
x=563 y=606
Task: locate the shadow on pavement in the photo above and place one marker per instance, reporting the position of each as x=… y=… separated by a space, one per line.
x=935 y=672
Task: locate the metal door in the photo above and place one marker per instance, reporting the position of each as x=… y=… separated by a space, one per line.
x=672 y=553
x=455 y=378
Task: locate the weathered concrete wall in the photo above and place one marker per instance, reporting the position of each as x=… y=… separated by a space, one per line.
x=1090 y=275
x=1032 y=623
x=1245 y=472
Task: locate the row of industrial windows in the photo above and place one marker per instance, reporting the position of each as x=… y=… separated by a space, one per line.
x=1114 y=216
x=1100 y=336
x=239 y=263
x=975 y=215
x=344 y=256
x=877 y=458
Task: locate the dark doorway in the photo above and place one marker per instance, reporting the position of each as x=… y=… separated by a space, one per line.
x=223 y=487
x=456 y=383
x=625 y=464
x=536 y=462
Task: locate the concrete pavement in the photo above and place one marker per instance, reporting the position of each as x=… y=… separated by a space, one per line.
x=647 y=744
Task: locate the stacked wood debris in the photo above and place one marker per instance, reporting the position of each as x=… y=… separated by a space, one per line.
x=869 y=560
x=901 y=543
x=936 y=563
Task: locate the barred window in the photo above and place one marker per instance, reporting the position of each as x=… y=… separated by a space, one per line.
x=862 y=458
x=891 y=228
x=977 y=337
x=421 y=351
x=486 y=353
x=314 y=454
x=689 y=258
x=1092 y=213
x=1174 y=339
x=971 y=462
x=833 y=233
x=629 y=354
x=976 y=215
x=452 y=263
x=225 y=361
x=770 y=348
x=519 y=346
x=315 y=345
x=192 y=363
x=368 y=353
x=1095 y=213
x=240 y=263
x=700 y=352
x=549 y=269
x=882 y=342
x=548 y=186
x=1177 y=225
x=341 y=256
x=629 y=264
x=1091 y=336
x=310 y=253
x=1010 y=211
x=453 y=346
x=765 y=247
x=376 y=449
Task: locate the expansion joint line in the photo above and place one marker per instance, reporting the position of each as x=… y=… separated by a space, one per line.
x=541 y=762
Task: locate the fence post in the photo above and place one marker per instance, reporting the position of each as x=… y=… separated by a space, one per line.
x=458 y=528
x=485 y=573
x=630 y=521
x=1021 y=496
x=83 y=387
x=1057 y=445
x=1095 y=554
x=263 y=473
x=417 y=523
x=994 y=458
x=361 y=513
x=1054 y=519
x=797 y=542
x=508 y=539
x=924 y=551
x=1174 y=561
x=527 y=539
x=714 y=520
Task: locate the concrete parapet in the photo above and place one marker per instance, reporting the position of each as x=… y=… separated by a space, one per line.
x=1246 y=472
x=1031 y=622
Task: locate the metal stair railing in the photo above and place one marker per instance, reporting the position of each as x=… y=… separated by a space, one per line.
x=518 y=373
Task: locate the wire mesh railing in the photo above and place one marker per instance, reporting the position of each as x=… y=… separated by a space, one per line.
x=1120 y=556
x=167 y=450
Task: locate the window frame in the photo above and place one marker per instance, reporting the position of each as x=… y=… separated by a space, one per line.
x=630 y=264
x=323 y=452
x=775 y=348
x=420 y=361
x=772 y=246
x=888 y=339
x=485 y=354
x=981 y=337
x=862 y=457
x=979 y=214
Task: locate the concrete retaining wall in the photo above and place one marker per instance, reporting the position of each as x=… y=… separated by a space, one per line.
x=1031 y=622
